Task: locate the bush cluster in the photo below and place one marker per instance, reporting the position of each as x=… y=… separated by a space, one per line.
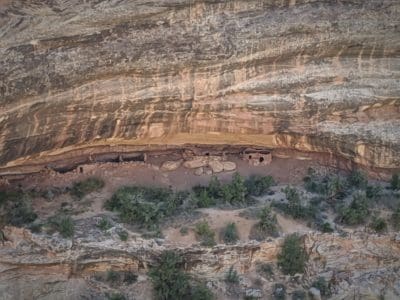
x=293 y=258
x=330 y=186
x=356 y=212
x=233 y=193
x=170 y=282
x=257 y=185
x=322 y=286
x=378 y=224
x=16 y=208
x=357 y=179
x=236 y=193
x=266 y=226
x=232 y=276
x=395 y=182
x=145 y=206
x=279 y=292
x=87 y=186
x=230 y=234
x=104 y=224
x=396 y=218
x=205 y=234
x=266 y=270
x=294 y=207
x=64 y=225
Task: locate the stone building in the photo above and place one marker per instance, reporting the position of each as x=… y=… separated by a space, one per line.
x=257 y=157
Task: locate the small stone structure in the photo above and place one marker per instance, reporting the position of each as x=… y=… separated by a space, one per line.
x=257 y=157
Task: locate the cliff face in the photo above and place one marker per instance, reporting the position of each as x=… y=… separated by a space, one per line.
x=310 y=75
x=32 y=266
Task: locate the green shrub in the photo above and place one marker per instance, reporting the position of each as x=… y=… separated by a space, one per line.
x=355 y=213
x=205 y=234
x=87 y=186
x=16 y=208
x=293 y=258
x=257 y=185
x=232 y=276
x=279 y=291
x=116 y=296
x=138 y=211
x=235 y=192
x=373 y=191
x=266 y=227
x=395 y=182
x=357 y=179
x=214 y=188
x=266 y=270
x=299 y=295
x=113 y=276
x=145 y=206
x=230 y=234
x=332 y=187
x=2 y=236
x=123 y=235
x=204 y=200
x=35 y=227
x=184 y=230
x=322 y=286
x=64 y=225
x=200 y=291
x=169 y=282
x=104 y=224
x=210 y=195
x=396 y=218
x=378 y=224
x=326 y=227
x=130 y=277
x=293 y=207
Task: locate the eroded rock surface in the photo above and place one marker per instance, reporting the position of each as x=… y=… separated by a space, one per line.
x=101 y=76
x=358 y=266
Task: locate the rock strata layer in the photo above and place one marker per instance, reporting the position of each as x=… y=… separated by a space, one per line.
x=34 y=266
x=319 y=76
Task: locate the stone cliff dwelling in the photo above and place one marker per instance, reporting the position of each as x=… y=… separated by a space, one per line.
x=257 y=157
x=199 y=149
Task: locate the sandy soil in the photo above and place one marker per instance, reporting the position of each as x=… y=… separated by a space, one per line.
x=4 y=2
x=218 y=219
x=129 y=173
x=115 y=175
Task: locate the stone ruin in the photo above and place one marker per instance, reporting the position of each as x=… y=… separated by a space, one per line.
x=257 y=157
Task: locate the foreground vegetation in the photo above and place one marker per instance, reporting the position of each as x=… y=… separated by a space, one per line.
x=237 y=193
x=293 y=258
x=149 y=206
x=170 y=282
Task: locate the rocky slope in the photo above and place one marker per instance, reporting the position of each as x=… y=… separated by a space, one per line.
x=96 y=76
x=360 y=266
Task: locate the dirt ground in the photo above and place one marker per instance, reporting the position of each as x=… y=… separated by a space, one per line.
x=115 y=175
x=284 y=171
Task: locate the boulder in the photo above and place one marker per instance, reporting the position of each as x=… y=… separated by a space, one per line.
x=315 y=293
x=253 y=293
x=195 y=163
x=171 y=165
x=229 y=165
x=216 y=166
x=199 y=171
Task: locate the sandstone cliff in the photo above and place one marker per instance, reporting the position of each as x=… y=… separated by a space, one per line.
x=360 y=266
x=320 y=76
